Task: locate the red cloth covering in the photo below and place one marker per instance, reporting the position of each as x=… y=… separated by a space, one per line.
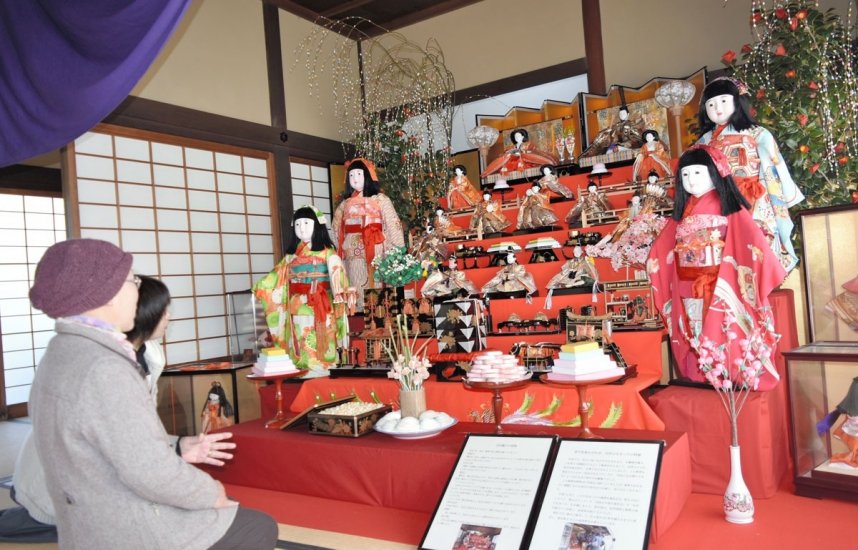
x=763 y=423
x=748 y=272
x=378 y=470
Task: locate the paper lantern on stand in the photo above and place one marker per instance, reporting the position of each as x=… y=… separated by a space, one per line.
x=483 y=137
x=675 y=95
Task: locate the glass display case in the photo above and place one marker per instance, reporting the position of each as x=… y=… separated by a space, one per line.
x=184 y=388
x=820 y=376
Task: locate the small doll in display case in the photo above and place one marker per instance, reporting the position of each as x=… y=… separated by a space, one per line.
x=488 y=216
x=593 y=205
x=578 y=271
x=551 y=182
x=217 y=412
x=461 y=193
x=511 y=278
x=625 y=133
x=535 y=210
x=845 y=304
x=847 y=431
x=521 y=156
x=652 y=157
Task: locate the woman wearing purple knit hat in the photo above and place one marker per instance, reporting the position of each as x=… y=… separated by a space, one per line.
x=114 y=478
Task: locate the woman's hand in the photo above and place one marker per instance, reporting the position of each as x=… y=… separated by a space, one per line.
x=206 y=448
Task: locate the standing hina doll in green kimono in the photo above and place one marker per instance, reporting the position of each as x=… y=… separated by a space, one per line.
x=307 y=295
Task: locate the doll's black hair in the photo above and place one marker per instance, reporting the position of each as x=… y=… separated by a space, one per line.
x=549 y=166
x=650 y=131
x=731 y=199
x=225 y=406
x=320 y=239
x=462 y=168
x=154 y=298
x=741 y=119
x=370 y=186
x=523 y=132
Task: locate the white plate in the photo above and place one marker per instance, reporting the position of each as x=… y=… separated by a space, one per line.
x=416 y=435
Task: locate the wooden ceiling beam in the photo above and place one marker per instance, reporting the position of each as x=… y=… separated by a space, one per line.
x=343 y=7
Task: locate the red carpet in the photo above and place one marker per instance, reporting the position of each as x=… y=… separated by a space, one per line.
x=783 y=522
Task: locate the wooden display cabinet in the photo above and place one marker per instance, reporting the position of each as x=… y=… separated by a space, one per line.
x=819 y=376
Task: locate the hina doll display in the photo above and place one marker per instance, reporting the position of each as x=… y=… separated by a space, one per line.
x=712 y=269
x=444 y=226
x=447 y=283
x=630 y=240
x=488 y=217
x=306 y=296
x=652 y=157
x=521 y=156
x=578 y=271
x=755 y=161
x=624 y=133
x=461 y=193
x=535 y=210
x=847 y=431
x=511 y=278
x=551 y=182
x=365 y=225
x=592 y=205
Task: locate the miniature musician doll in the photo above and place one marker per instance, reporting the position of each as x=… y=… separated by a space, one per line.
x=652 y=156
x=306 y=296
x=550 y=181
x=847 y=431
x=710 y=266
x=448 y=282
x=365 y=225
x=217 y=412
x=592 y=205
x=488 y=215
x=429 y=249
x=521 y=156
x=461 y=193
x=535 y=210
x=444 y=226
x=511 y=278
x=755 y=160
x=624 y=133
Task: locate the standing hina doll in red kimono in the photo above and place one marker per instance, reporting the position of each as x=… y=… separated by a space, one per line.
x=712 y=265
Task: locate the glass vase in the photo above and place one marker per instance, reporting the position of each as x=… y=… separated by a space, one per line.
x=412 y=402
x=738 y=503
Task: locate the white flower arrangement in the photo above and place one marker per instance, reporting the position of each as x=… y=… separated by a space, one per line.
x=410 y=365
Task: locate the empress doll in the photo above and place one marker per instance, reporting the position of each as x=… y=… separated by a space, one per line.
x=365 y=224
x=755 y=161
x=711 y=265
x=306 y=296
x=521 y=156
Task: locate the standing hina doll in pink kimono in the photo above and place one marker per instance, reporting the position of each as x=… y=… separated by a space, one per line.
x=712 y=264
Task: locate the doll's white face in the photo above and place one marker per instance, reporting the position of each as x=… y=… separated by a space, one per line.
x=439 y=213
x=696 y=180
x=304 y=229
x=577 y=251
x=546 y=171
x=459 y=172
x=356 y=179
x=535 y=189
x=510 y=258
x=623 y=114
x=652 y=179
x=650 y=138
x=486 y=196
x=720 y=108
x=518 y=138
x=636 y=200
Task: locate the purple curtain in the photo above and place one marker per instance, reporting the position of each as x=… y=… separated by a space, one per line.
x=66 y=64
